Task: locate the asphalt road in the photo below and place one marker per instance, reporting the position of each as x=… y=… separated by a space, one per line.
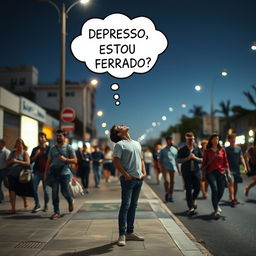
x=233 y=234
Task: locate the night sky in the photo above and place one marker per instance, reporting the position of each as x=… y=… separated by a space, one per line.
x=204 y=37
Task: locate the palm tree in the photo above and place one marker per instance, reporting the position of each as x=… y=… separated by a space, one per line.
x=197 y=111
x=250 y=97
x=225 y=110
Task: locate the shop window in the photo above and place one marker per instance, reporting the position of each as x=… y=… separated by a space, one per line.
x=70 y=94
x=52 y=94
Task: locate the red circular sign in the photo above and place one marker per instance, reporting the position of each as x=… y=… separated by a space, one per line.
x=68 y=115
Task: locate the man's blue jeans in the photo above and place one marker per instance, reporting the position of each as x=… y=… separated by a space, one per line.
x=37 y=177
x=63 y=182
x=217 y=184
x=130 y=195
x=96 y=174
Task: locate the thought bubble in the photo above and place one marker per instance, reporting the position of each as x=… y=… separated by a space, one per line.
x=119 y=45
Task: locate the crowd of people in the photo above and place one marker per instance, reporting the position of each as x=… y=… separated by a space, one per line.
x=210 y=165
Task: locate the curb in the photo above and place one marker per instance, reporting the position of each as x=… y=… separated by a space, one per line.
x=183 y=248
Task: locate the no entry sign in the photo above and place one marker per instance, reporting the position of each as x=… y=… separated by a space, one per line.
x=68 y=115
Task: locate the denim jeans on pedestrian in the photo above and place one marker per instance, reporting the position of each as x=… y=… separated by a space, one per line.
x=217 y=184
x=3 y=180
x=37 y=177
x=192 y=186
x=130 y=195
x=148 y=167
x=63 y=182
x=96 y=174
x=84 y=173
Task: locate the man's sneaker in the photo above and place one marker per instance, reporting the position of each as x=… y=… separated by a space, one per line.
x=55 y=216
x=36 y=209
x=166 y=197
x=219 y=209
x=71 y=207
x=217 y=214
x=134 y=237
x=45 y=208
x=170 y=200
x=121 y=240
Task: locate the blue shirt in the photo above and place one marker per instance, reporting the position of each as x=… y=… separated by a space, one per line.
x=65 y=150
x=167 y=158
x=129 y=153
x=4 y=154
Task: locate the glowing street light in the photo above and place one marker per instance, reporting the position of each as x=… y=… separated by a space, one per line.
x=94 y=82
x=164 y=118
x=100 y=113
x=251 y=133
x=107 y=132
x=154 y=124
x=253 y=46
x=198 y=87
x=104 y=125
x=170 y=109
x=183 y=105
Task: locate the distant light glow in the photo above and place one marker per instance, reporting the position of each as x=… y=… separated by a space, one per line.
x=158 y=123
x=198 y=88
x=227 y=144
x=94 y=82
x=224 y=73
x=100 y=113
x=104 y=125
x=253 y=47
x=107 y=132
x=170 y=109
x=154 y=124
x=240 y=139
x=251 y=133
x=183 y=105
x=164 y=118
x=84 y=1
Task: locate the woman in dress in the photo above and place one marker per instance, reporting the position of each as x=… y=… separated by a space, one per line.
x=18 y=159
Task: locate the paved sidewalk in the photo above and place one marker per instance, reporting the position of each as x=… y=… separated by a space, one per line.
x=92 y=228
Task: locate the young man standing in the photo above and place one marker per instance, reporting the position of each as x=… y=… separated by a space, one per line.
x=39 y=157
x=190 y=156
x=168 y=164
x=128 y=160
x=57 y=168
x=235 y=157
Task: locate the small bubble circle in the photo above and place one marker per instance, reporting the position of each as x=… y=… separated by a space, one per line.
x=117 y=103
x=114 y=87
x=116 y=96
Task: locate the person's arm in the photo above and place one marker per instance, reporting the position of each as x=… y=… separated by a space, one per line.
x=181 y=159
x=26 y=161
x=246 y=158
x=47 y=167
x=198 y=157
x=243 y=161
x=70 y=159
x=226 y=165
x=118 y=165
x=35 y=153
x=143 y=169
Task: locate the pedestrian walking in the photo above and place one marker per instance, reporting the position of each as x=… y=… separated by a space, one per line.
x=4 y=154
x=169 y=165
x=214 y=166
x=235 y=158
x=17 y=160
x=128 y=160
x=97 y=160
x=157 y=168
x=39 y=156
x=58 y=172
x=250 y=159
x=204 y=183
x=85 y=167
x=108 y=163
x=148 y=158
x=190 y=156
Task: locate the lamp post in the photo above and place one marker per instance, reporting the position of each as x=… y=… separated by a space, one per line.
x=63 y=14
x=223 y=73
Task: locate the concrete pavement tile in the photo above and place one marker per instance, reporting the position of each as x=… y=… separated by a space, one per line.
x=70 y=233
x=192 y=253
x=78 y=224
x=158 y=240
x=42 y=235
x=18 y=251
x=56 y=253
x=183 y=242
x=74 y=244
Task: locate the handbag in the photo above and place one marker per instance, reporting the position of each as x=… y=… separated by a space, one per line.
x=25 y=176
x=75 y=188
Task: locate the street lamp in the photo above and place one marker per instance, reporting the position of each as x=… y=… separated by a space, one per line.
x=63 y=14
x=94 y=82
x=253 y=46
x=100 y=113
x=183 y=105
x=223 y=73
x=198 y=87
x=164 y=118
x=104 y=125
x=170 y=109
